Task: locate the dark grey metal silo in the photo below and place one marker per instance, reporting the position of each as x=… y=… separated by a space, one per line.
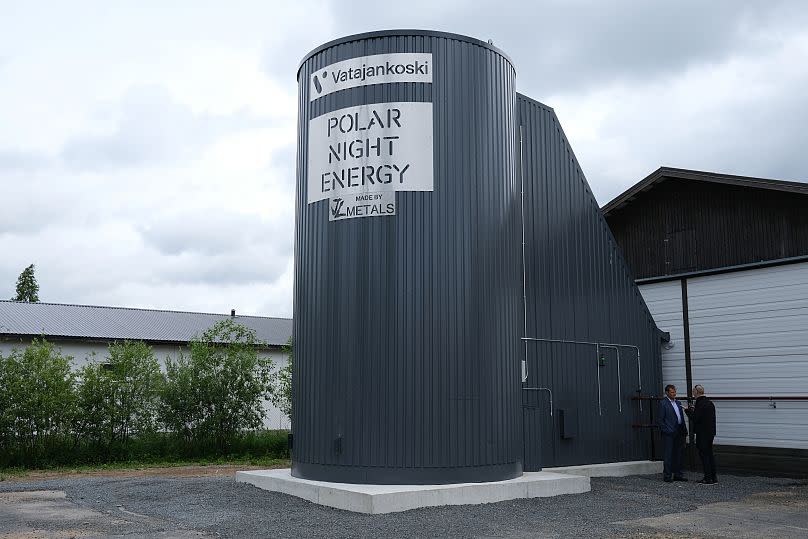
x=407 y=291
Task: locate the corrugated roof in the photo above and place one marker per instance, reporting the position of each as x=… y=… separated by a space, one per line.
x=664 y=173
x=118 y=323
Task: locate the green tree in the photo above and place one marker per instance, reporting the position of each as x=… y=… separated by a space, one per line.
x=218 y=388
x=5 y=405
x=282 y=396
x=27 y=287
x=119 y=397
x=37 y=396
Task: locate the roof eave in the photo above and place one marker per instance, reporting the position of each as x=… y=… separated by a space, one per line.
x=697 y=175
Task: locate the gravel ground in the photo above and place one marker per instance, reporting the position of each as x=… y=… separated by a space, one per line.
x=220 y=507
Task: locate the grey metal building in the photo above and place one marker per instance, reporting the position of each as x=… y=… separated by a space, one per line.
x=462 y=312
x=579 y=290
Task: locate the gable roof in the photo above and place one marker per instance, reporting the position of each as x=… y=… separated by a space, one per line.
x=663 y=173
x=90 y=322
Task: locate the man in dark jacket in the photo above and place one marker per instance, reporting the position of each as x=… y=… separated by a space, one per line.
x=703 y=416
x=674 y=431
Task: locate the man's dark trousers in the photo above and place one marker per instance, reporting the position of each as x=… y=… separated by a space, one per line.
x=705 y=446
x=673 y=453
x=703 y=415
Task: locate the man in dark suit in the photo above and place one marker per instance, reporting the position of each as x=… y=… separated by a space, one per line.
x=674 y=431
x=703 y=416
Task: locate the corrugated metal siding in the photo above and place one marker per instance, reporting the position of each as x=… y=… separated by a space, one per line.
x=681 y=226
x=406 y=327
x=664 y=300
x=93 y=322
x=578 y=288
x=749 y=336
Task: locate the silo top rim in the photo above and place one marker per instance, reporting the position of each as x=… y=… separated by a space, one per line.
x=386 y=33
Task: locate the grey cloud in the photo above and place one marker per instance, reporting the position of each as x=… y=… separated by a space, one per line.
x=284 y=165
x=765 y=138
x=32 y=202
x=209 y=232
x=21 y=160
x=219 y=247
x=567 y=46
x=226 y=270
x=283 y=55
x=768 y=141
x=152 y=128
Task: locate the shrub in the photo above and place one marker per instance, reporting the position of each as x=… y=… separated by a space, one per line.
x=282 y=396
x=119 y=398
x=37 y=396
x=218 y=388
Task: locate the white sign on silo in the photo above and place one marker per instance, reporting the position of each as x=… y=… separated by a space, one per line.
x=357 y=152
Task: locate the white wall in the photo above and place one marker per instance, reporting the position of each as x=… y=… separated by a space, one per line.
x=748 y=336
x=83 y=353
x=664 y=300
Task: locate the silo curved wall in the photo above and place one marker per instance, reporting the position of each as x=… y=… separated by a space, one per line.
x=407 y=326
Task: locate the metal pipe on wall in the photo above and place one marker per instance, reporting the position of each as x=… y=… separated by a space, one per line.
x=597 y=346
x=524 y=270
x=619 y=382
x=639 y=369
x=597 y=365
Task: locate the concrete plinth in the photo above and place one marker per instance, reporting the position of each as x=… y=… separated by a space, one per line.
x=612 y=469
x=377 y=499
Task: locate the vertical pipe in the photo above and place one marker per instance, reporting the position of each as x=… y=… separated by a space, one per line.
x=597 y=366
x=524 y=271
x=639 y=379
x=619 y=391
x=688 y=359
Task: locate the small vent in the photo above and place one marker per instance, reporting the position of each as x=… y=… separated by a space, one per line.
x=568 y=422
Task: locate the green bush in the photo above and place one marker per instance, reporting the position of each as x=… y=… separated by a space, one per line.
x=282 y=396
x=38 y=399
x=217 y=390
x=157 y=447
x=208 y=405
x=118 y=398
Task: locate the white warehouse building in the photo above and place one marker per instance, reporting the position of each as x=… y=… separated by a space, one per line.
x=84 y=332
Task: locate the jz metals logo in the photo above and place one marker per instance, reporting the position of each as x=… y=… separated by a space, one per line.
x=376 y=69
x=362 y=205
x=337 y=206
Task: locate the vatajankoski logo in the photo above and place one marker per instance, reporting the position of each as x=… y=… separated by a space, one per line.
x=317 y=85
x=374 y=69
x=337 y=208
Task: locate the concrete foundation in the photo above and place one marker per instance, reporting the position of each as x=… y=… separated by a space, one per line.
x=376 y=499
x=612 y=469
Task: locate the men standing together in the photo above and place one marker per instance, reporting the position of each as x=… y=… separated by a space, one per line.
x=674 y=431
x=703 y=416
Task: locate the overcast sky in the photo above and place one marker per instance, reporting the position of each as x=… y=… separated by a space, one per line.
x=147 y=148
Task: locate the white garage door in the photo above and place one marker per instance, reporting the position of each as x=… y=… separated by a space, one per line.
x=748 y=337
